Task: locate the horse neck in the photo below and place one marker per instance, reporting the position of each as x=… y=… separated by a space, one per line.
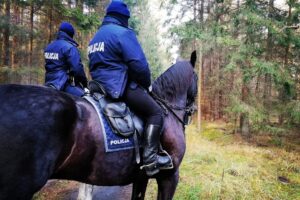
x=176 y=99
x=172 y=85
x=171 y=94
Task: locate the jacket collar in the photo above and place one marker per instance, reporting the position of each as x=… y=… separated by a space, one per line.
x=64 y=36
x=112 y=20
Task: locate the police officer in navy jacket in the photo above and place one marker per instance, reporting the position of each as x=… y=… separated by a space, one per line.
x=118 y=63
x=64 y=70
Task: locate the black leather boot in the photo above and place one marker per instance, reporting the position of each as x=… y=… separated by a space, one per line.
x=153 y=161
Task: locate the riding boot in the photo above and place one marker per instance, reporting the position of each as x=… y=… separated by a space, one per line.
x=153 y=162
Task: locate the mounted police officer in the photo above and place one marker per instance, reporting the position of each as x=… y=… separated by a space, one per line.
x=64 y=70
x=118 y=63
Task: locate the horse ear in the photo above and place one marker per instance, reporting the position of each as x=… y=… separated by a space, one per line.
x=193 y=58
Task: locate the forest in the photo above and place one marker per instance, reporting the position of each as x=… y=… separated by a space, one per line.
x=248 y=61
x=249 y=52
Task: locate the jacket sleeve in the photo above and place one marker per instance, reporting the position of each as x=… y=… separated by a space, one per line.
x=76 y=66
x=135 y=59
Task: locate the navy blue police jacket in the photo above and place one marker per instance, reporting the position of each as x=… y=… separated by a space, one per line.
x=62 y=57
x=116 y=57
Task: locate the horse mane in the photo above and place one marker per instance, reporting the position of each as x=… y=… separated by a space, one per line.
x=174 y=81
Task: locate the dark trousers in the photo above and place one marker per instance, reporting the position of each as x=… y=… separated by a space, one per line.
x=74 y=90
x=144 y=105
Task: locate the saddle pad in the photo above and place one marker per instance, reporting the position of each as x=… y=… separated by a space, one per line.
x=112 y=141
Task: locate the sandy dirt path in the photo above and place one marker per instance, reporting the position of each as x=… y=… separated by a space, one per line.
x=68 y=190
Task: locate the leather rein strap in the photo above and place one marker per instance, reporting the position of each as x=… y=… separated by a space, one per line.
x=170 y=107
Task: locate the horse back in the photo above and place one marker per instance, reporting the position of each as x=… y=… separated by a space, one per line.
x=33 y=131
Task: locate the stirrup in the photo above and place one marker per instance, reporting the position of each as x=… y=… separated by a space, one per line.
x=168 y=165
x=151 y=169
x=154 y=167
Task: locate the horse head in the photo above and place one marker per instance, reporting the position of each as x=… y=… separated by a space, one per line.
x=193 y=88
x=177 y=88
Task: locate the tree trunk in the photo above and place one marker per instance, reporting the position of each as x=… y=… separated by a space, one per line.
x=216 y=93
x=220 y=91
x=201 y=13
x=244 y=125
x=287 y=48
x=50 y=26
x=210 y=99
x=6 y=58
x=199 y=91
x=286 y=62
x=244 y=117
x=15 y=49
x=195 y=10
x=268 y=78
x=22 y=43
x=31 y=34
x=1 y=51
x=13 y=52
x=208 y=7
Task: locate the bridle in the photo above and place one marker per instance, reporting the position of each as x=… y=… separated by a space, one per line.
x=188 y=109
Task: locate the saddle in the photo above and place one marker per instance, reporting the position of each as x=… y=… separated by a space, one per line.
x=123 y=122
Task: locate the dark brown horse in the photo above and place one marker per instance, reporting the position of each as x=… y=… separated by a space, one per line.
x=46 y=134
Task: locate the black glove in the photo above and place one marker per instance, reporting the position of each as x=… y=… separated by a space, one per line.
x=81 y=81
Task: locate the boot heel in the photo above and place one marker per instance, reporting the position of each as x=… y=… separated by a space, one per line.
x=169 y=166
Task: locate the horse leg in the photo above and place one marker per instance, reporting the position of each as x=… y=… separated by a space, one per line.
x=139 y=187
x=85 y=192
x=167 y=184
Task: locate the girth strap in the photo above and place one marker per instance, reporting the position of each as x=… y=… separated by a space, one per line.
x=136 y=148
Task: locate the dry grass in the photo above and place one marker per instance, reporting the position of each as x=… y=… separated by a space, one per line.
x=221 y=166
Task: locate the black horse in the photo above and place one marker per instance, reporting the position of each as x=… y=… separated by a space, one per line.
x=46 y=134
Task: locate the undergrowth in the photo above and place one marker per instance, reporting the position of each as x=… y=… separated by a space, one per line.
x=219 y=165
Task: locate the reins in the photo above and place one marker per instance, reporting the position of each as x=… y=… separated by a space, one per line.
x=188 y=110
